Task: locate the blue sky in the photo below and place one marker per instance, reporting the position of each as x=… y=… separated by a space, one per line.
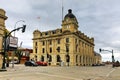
x=97 y=18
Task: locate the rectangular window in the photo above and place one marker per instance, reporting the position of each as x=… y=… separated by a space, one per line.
x=50 y=50
x=67 y=40
x=67 y=48
x=76 y=47
x=58 y=41
x=35 y=50
x=50 y=42
x=43 y=50
x=75 y=40
x=58 y=49
x=43 y=43
x=35 y=43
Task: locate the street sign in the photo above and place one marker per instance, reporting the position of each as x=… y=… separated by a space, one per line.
x=12 y=43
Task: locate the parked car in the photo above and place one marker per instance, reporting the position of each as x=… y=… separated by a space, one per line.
x=40 y=63
x=116 y=64
x=15 y=62
x=102 y=64
x=30 y=63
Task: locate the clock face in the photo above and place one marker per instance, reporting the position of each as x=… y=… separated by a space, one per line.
x=67 y=20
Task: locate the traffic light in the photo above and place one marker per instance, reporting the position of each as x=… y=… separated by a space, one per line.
x=23 y=29
x=100 y=49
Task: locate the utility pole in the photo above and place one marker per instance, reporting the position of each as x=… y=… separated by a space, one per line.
x=62 y=10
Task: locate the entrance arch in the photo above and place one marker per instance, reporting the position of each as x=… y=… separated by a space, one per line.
x=58 y=58
x=67 y=59
x=42 y=58
x=76 y=60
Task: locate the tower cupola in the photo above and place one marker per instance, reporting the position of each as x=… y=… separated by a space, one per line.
x=70 y=22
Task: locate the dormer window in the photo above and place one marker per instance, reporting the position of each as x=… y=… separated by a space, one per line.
x=46 y=33
x=53 y=32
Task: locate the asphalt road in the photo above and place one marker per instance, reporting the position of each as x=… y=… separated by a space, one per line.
x=20 y=72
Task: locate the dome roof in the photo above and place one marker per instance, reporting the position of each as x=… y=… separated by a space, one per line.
x=69 y=15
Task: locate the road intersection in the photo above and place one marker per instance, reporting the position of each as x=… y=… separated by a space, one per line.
x=20 y=72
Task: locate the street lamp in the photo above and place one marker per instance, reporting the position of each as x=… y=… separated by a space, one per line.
x=5 y=41
x=113 y=60
x=16 y=24
x=14 y=36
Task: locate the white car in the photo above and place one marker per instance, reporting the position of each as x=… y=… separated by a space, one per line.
x=15 y=62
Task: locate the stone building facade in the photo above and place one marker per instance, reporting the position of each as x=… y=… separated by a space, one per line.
x=98 y=58
x=67 y=44
x=3 y=17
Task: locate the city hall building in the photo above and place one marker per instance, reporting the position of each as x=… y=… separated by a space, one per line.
x=66 y=45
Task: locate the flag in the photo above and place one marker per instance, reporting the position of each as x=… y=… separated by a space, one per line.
x=38 y=17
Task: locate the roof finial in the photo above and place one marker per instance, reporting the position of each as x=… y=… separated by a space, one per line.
x=70 y=11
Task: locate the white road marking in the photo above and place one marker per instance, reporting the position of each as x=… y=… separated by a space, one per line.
x=60 y=76
x=110 y=72
x=51 y=75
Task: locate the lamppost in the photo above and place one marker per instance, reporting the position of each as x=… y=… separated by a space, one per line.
x=16 y=24
x=14 y=36
x=5 y=42
x=113 y=60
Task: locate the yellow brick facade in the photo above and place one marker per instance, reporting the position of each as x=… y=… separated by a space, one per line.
x=2 y=29
x=74 y=47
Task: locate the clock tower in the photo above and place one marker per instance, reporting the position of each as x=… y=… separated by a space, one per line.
x=70 y=22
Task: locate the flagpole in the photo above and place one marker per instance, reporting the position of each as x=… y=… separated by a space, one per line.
x=62 y=10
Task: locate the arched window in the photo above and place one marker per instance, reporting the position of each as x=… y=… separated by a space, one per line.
x=42 y=58
x=67 y=58
x=58 y=58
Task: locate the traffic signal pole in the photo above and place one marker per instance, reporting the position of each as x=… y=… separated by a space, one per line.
x=5 y=47
x=113 y=60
